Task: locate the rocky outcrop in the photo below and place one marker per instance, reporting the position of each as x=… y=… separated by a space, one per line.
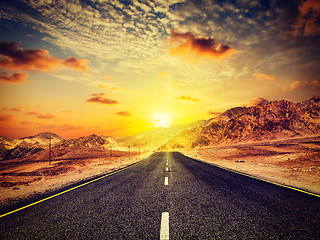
x=270 y=120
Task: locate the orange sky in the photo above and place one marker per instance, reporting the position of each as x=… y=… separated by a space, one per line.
x=121 y=67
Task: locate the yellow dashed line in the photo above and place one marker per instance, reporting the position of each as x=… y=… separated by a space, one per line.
x=68 y=190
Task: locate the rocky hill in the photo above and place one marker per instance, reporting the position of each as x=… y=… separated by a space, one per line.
x=17 y=148
x=270 y=120
x=91 y=141
x=153 y=138
x=24 y=147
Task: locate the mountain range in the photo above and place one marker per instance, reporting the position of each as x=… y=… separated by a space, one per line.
x=265 y=121
x=18 y=148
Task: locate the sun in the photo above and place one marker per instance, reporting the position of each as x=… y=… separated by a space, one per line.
x=162 y=120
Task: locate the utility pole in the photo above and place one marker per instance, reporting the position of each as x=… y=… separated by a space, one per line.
x=50 y=150
x=110 y=150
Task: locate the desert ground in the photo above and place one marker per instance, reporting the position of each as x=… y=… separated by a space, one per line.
x=293 y=162
x=22 y=178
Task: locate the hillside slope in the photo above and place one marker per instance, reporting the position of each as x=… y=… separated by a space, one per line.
x=273 y=120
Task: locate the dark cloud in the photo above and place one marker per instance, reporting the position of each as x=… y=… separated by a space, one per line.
x=190 y=46
x=14 y=78
x=308 y=21
x=13 y=57
x=4 y=117
x=98 y=97
x=124 y=113
x=187 y=98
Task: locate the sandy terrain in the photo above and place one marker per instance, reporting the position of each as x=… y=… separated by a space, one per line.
x=292 y=162
x=21 y=178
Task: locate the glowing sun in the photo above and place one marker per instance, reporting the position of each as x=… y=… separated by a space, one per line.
x=162 y=120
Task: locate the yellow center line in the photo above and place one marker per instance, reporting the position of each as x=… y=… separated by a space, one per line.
x=68 y=190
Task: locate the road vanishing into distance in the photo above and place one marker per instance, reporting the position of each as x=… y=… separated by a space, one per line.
x=171 y=196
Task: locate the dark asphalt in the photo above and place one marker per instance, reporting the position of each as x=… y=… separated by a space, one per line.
x=204 y=202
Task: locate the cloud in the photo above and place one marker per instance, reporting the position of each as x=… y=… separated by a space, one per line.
x=104 y=86
x=187 y=98
x=15 y=109
x=299 y=84
x=14 y=78
x=210 y=112
x=13 y=57
x=163 y=74
x=98 y=97
x=188 y=45
x=257 y=101
x=39 y=115
x=263 y=76
x=4 y=117
x=307 y=23
x=124 y=113
x=108 y=76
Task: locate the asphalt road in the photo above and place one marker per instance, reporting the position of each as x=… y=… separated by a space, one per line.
x=200 y=202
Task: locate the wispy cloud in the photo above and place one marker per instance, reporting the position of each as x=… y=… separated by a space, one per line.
x=263 y=76
x=16 y=58
x=124 y=113
x=163 y=74
x=15 y=109
x=187 y=98
x=39 y=115
x=14 y=78
x=98 y=98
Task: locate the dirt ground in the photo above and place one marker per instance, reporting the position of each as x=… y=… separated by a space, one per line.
x=293 y=162
x=21 y=178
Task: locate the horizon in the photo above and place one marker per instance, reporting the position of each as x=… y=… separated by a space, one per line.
x=125 y=67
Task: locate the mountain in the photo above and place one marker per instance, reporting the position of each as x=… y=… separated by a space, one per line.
x=17 y=148
x=152 y=139
x=91 y=141
x=270 y=120
x=24 y=147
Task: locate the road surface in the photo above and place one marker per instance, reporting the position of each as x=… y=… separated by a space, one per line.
x=171 y=196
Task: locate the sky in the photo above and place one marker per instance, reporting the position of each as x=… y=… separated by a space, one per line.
x=116 y=68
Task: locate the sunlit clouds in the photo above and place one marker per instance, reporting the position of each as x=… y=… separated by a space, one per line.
x=14 y=57
x=14 y=78
x=192 y=47
x=187 y=98
x=99 y=98
x=119 y=67
x=124 y=113
x=263 y=76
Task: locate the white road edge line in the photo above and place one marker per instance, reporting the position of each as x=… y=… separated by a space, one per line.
x=167 y=169
x=164 y=231
x=167 y=164
x=166 y=181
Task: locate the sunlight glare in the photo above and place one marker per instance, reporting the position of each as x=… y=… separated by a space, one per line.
x=162 y=120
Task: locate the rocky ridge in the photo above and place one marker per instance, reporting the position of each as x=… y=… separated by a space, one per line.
x=267 y=121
